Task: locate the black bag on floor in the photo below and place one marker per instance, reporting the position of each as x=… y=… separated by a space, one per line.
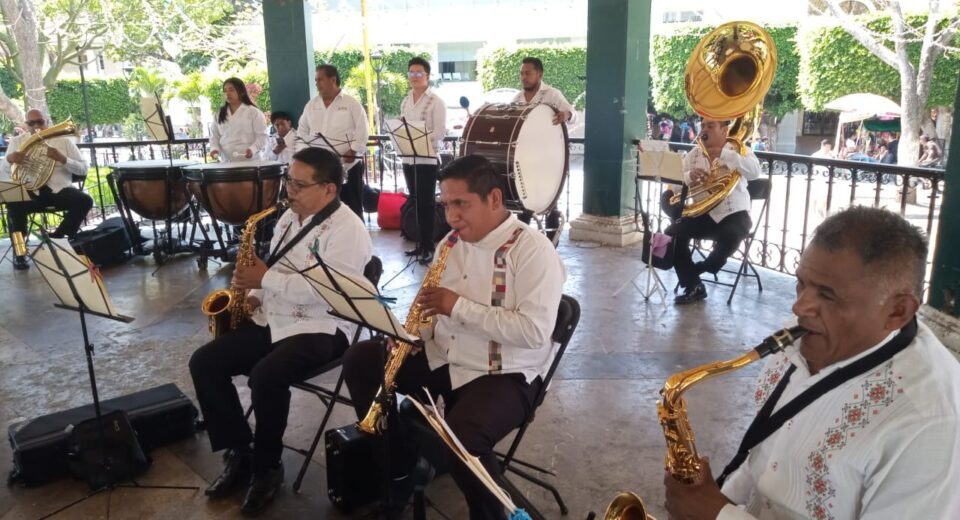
x=371 y=198
x=408 y=222
x=107 y=244
x=114 y=457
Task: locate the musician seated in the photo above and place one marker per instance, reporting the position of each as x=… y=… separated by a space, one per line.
x=59 y=191
x=726 y=225
x=290 y=334
x=883 y=440
x=490 y=344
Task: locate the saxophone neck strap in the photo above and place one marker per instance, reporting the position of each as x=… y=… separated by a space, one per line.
x=766 y=422
x=324 y=214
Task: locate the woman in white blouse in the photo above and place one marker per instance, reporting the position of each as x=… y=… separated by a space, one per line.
x=240 y=131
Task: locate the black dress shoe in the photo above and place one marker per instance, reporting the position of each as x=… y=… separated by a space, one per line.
x=412 y=252
x=692 y=294
x=402 y=488
x=236 y=471
x=426 y=258
x=261 y=492
x=20 y=263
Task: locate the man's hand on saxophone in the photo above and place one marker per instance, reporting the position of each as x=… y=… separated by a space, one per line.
x=437 y=300
x=248 y=277
x=701 y=500
x=253 y=303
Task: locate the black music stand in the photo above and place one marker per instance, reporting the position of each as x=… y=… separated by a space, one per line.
x=355 y=299
x=410 y=137
x=77 y=284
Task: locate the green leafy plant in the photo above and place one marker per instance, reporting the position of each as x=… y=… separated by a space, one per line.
x=109 y=101
x=393 y=88
x=565 y=68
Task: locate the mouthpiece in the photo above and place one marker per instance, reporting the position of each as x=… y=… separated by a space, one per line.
x=779 y=340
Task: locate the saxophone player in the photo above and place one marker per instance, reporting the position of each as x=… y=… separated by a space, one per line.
x=490 y=346
x=861 y=420
x=289 y=336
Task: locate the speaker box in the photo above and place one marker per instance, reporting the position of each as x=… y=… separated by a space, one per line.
x=353 y=476
x=40 y=446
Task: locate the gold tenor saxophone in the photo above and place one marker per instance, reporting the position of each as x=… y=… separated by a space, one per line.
x=227 y=308
x=374 y=421
x=682 y=460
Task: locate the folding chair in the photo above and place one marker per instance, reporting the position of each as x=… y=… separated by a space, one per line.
x=372 y=272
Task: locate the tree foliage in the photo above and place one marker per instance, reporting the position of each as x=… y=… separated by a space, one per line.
x=834 y=64
x=109 y=101
x=251 y=76
x=565 y=67
x=669 y=63
x=349 y=61
x=393 y=88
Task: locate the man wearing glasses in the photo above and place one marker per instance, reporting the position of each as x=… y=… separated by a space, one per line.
x=59 y=191
x=289 y=337
x=422 y=104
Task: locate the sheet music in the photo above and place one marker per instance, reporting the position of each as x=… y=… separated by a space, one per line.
x=85 y=276
x=318 y=140
x=12 y=192
x=411 y=138
x=656 y=160
x=153 y=118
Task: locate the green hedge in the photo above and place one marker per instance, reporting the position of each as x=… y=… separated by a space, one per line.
x=393 y=88
x=11 y=87
x=834 y=65
x=563 y=68
x=669 y=63
x=214 y=90
x=109 y=99
x=349 y=61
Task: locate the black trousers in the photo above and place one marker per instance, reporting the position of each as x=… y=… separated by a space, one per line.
x=352 y=191
x=726 y=236
x=480 y=413
x=422 y=184
x=272 y=368
x=73 y=201
x=551 y=223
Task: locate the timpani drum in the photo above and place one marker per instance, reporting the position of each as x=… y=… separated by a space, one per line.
x=232 y=192
x=526 y=148
x=155 y=190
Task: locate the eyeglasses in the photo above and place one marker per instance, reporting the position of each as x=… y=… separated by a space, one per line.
x=34 y=122
x=416 y=74
x=295 y=185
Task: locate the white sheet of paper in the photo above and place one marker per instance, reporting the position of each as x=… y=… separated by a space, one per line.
x=87 y=281
x=13 y=192
x=656 y=160
x=152 y=112
x=412 y=139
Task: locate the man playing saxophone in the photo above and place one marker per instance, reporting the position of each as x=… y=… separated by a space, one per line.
x=726 y=225
x=290 y=335
x=490 y=344
x=862 y=418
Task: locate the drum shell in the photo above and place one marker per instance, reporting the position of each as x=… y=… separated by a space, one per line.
x=142 y=187
x=232 y=192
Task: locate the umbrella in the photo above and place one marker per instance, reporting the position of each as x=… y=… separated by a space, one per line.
x=856 y=107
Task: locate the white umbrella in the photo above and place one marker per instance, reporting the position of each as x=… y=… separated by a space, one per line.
x=855 y=107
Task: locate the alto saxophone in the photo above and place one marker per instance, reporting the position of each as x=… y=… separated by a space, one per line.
x=682 y=460
x=227 y=308
x=374 y=422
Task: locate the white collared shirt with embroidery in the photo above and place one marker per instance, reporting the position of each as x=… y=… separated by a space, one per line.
x=548 y=96
x=882 y=445
x=343 y=123
x=431 y=110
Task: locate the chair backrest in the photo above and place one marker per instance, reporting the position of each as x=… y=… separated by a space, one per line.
x=759 y=189
x=373 y=270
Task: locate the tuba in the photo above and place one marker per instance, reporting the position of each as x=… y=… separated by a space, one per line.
x=727 y=76
x=37 y=168
x=227 y=308
x=682 y=460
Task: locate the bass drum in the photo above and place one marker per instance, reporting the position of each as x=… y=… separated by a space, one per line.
x=155 y=190
x=526 y=148
x=232 y=192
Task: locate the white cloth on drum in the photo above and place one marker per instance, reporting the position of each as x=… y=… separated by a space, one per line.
x=430 y=109
x=343 y=123
x=548 y=96
x=531 y=278
x=884 y=444
x=242 y=130
x=290 y=305
x=748 y=165
x=62 y=176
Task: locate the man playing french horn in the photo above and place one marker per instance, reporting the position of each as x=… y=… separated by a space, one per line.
x=289 y=336
x=490 y=343
x=58 y=192
x=726 y=225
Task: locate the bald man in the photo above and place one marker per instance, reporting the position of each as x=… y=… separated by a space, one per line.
x=59 y=191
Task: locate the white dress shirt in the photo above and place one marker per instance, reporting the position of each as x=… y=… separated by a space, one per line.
x=285 y=155
x=431 y=110
x=748 y=165
x=290 y=305
x=882 y=445
x=62 y=176
x=521 y=323
x=343 y=123
x=548 y=96
x=244 y=129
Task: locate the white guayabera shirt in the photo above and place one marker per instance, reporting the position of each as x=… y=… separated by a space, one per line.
x=883 y=445
x=244 y=129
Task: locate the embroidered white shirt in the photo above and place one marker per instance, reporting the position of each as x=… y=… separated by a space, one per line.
x=548 y=96
x=748 y=166
x=533 y=277
x=244 y=129
x=431 y=110
x=285 y=155
x=290 y=305
x=883 y=445
x=62 y=176
x=343 y=123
